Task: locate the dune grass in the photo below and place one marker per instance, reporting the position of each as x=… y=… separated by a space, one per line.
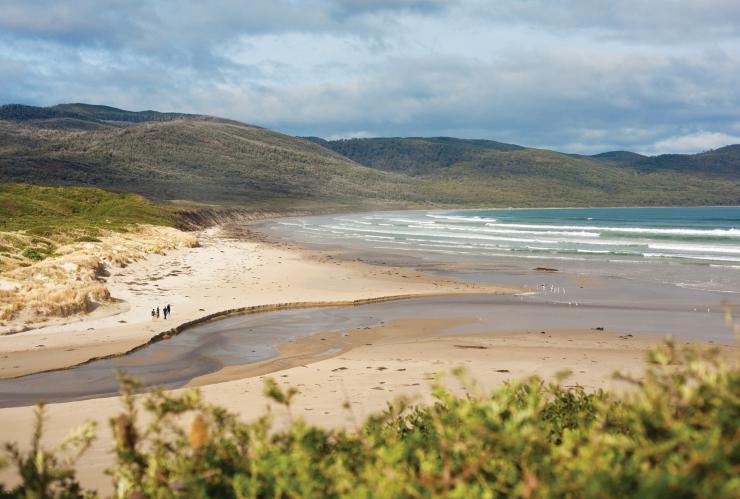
x=46 y=211
x=56 y=241
x=35 y=219
x=68 y=282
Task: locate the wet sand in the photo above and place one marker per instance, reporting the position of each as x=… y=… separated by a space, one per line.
x=203 y=353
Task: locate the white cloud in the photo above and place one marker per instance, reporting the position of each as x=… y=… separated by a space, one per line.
x=632 y=21
x=576 y=75
x=692 y=143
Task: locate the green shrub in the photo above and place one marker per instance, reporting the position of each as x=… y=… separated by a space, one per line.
x=49 y=473
x=677 y=434
x=38 y=253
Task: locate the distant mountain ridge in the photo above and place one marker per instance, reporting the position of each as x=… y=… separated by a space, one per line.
x=179 y=156
x=412 y=155
x=209 y=159
x=89 y=117
x=21 y=112
x=724 y=161
x=619 y=156
x=416 y=155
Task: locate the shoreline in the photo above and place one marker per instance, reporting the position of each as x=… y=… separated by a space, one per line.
x=262 y=277
x=250 y=310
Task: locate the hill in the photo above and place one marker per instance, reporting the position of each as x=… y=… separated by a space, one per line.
x=168 y=156
x=624 y=157
x=178 y=156
x=724 y=161
x=78 y=112
x=414 y=155
x=514 y=175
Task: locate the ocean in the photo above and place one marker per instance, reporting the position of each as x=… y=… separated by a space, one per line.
x=695 y=248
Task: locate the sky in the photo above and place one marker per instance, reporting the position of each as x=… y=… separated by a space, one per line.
x=580 y=76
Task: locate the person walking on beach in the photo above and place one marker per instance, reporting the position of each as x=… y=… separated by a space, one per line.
x=164 y=312
x=154 y=314
x=157 y=312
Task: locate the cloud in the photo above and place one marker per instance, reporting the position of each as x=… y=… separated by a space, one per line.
x=700 y=141
x=634 y=21
x=572 y=75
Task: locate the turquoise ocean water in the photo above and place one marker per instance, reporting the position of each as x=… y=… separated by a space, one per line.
x=679 y=243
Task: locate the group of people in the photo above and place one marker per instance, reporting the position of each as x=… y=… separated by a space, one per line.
x=166 y=310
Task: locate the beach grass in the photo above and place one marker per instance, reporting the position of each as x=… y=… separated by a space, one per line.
x=48 y=211
x=35 y=220
x=56 y=241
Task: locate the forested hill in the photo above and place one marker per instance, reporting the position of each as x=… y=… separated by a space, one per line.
x=417 y=156
x=414 y=155
x=724 y=161
x=519 y=173
x=177 y=156
x=201 y=158
x=66 y=113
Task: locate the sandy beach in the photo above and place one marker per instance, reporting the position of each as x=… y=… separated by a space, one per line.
x=223 y=273
x=368 y=367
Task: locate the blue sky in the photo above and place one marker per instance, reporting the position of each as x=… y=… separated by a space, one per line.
x=580 y=76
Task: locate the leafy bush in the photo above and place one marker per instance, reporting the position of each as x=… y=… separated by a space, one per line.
x=37 y=253
x=677 y=434
x=48 y=473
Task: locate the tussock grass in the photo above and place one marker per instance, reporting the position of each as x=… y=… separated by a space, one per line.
x=68 y=283
x=55 y=243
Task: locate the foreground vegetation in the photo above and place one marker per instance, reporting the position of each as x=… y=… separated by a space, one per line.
x=677 y=434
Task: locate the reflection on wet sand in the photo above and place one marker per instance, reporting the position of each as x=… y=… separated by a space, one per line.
x=219 y=350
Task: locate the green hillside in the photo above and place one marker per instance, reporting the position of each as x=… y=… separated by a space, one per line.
x=169 y=156
x=194 y=159
x=625 y=157
x=88 y=112
x=413 y=156
x=474 y=170
x=35 y=220
x=45 y=210
x=724 y=161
